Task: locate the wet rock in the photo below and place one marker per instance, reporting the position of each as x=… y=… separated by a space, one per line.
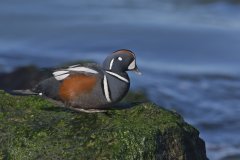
x=33 y=128
x=23 y=78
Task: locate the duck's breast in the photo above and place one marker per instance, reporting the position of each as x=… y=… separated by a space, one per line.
x=117 y=86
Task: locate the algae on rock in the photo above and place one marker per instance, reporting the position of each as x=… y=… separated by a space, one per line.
x=33 y=128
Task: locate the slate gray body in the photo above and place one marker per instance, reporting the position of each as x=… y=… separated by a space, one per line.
x=97 y=98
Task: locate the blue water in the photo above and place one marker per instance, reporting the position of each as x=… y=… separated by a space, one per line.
x=189 y=52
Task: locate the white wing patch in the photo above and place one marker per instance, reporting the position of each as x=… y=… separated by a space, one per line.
x=82 y=69
x=61 y=77
x=76 y=65
x=62 y=74
x=58 y=73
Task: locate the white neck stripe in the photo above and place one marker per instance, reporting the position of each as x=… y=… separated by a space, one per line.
x=105 y=87
x=118 y=76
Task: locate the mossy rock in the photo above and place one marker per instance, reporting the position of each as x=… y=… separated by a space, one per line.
x=33 y=128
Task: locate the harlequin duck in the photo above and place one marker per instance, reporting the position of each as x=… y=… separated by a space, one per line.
x=90 y=86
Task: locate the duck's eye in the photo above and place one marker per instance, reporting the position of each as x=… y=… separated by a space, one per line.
x=120 y=58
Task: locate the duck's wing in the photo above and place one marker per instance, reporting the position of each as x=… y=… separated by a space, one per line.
x=88 y=69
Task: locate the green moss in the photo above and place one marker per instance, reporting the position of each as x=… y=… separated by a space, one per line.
x=136 y=96
x=33 y=128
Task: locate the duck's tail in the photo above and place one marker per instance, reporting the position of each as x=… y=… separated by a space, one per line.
x=26 y=92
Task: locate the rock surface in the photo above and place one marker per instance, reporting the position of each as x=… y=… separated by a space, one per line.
x=33 y=128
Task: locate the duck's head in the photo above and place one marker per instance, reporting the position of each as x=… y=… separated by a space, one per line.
x=121 y=61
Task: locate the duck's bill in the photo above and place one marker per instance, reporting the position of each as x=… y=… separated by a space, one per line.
x=136 y=70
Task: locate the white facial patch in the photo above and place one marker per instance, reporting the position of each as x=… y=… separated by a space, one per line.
x=120 y=58
x=132 y=65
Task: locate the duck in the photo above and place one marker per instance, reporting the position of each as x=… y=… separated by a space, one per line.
x=91 y=87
